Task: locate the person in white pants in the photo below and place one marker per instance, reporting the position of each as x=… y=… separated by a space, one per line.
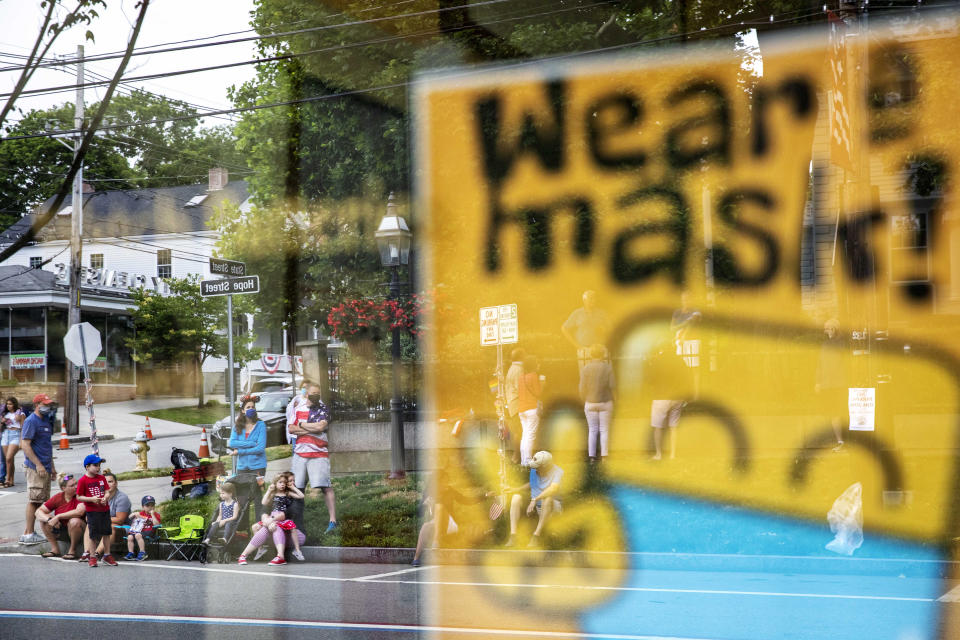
x=596 y=389
x=529 y=407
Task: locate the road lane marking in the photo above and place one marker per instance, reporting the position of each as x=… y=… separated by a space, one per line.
x=951 y=596
x=498 y=585
x=392 y=573
x=359 y=626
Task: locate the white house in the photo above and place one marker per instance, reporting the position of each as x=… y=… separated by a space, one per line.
x=131 y=238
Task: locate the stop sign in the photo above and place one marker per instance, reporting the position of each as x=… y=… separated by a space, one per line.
x=91 y=342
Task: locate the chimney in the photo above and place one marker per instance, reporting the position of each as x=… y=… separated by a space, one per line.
x=218 y=179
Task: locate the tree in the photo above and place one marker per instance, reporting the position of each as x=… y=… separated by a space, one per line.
x=51 y=28
x=342 y=139
x=145 y=155
x=185 y=326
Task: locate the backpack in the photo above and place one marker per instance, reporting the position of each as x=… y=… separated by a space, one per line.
x=184 y=459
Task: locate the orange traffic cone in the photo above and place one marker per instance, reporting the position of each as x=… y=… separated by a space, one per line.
x=204 y=451
x=147 y=430
x=64 y=441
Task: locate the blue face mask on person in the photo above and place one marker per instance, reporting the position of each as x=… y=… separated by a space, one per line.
x=44 y=409
x=303 y=392
x=251 y=413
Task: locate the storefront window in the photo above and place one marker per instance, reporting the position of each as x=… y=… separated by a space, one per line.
x=28 y=351
x=56 y=329
x=119 y=357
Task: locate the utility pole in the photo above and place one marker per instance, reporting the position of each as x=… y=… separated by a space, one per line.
x=70 y=411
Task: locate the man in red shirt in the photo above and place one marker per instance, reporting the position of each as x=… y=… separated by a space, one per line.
x=92 y=491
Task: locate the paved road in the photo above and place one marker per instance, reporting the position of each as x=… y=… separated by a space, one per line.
x=53 y=598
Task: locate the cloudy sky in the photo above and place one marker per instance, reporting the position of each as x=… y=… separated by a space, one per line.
x=167 y=21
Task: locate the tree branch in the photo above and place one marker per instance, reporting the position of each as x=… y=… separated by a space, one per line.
x=65 y=188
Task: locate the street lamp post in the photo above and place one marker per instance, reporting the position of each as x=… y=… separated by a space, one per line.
x=393 y=241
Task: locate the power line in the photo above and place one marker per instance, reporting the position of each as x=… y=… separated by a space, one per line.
x=739 y=24
x=283 y=34
x=291 y=56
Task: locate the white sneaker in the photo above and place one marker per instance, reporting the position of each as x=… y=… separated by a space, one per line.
x=260 y=551
x=298 y=554
x=32 y=538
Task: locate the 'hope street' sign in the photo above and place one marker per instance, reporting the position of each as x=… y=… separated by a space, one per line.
x=227 y=267
x=247 y=284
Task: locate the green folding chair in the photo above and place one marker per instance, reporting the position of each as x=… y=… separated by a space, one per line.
x=184 y=540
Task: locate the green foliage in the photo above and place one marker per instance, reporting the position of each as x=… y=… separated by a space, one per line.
x=372 y=512
x=145 y=155
x=185 y=326
x=308 y=260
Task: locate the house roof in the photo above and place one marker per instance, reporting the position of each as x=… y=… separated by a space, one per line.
x=136 y=212
x=20 y=279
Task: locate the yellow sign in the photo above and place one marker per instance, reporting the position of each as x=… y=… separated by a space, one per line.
x=694 y=195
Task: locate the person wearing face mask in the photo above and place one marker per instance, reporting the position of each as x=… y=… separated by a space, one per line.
x=248 y=445
x=38 y=450
x=311 y=458
x=298 y=402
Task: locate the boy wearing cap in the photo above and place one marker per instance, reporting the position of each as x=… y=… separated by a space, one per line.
x=143 y=522
x=38 y=450
x=92 y=491
x=544 y=486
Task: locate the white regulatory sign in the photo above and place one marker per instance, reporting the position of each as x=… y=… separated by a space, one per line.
x=863 y=408
x=499 y=325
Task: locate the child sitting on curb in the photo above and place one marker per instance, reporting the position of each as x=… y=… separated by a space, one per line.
x=281 y=493
x=143 y=523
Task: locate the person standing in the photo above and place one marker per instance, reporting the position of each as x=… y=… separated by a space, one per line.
x=596 y=389
x=311 y=456
x=35 y=440
x=298 y=401
x=586 y=326
x=511 y=391
x=92 y=490
x=528 y=406
x=10 y=440
x=248 y=443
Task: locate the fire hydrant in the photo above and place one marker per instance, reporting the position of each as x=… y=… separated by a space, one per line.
x=140 y=447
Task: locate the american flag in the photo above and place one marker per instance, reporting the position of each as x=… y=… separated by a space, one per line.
x=841 y=151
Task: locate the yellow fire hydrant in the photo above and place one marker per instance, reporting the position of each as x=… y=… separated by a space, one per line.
x=140 y=447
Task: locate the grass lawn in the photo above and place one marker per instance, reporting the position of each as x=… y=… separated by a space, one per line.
x=372 y=512
x=273 y=453
x=189 y=415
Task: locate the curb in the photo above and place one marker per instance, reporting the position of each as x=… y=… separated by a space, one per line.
x=636 y=561
x=345 y=555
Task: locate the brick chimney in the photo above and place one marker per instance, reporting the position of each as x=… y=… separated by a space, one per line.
x=219 y=177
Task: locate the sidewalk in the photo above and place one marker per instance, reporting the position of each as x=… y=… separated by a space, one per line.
x=116 y=420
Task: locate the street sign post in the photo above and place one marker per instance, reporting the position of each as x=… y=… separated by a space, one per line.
x=228 y=287
x=82 y=345
x=227 y=267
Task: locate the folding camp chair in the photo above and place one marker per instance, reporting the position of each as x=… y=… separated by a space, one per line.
x=185 y=540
